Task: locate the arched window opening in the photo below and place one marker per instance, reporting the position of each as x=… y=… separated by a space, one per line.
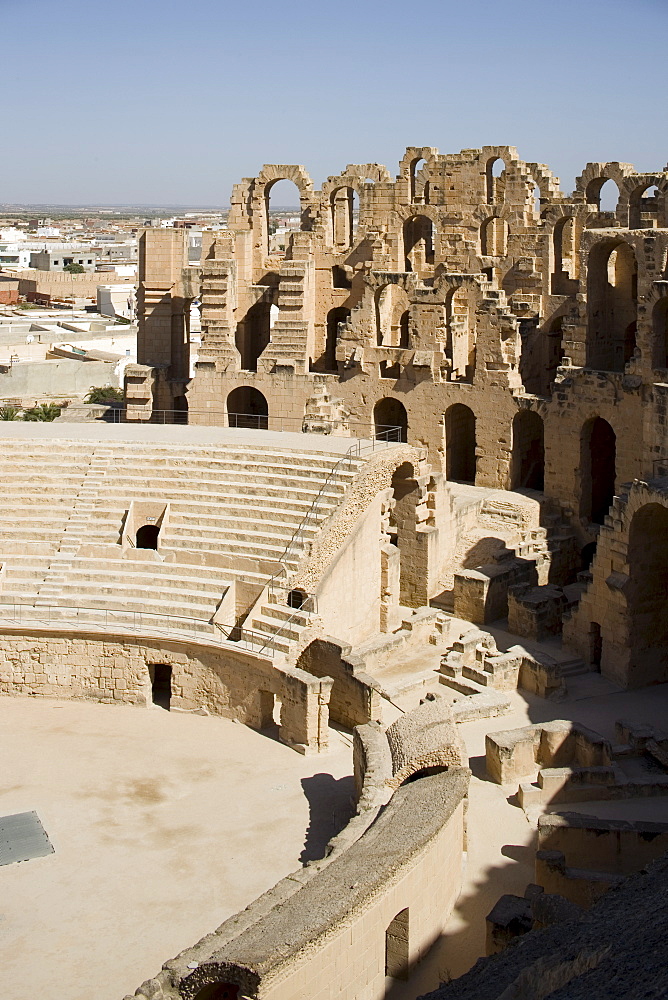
x=660 y=330
x=253 y=334
x=494 y=237
x=283 y=211
x=461 y=337
x=554 y=352
x=565 y=248
x=417 y=183
x=397 y=962
x=218 y=991
x=644 y=208
x=536 y=201
x=528 y=451
x=460 y=444
x=612 y=304
x=336 y=318
x=390 y=420
x=404 y=329
x=161 y=684
x=342 y=217
x=392 y=307
x=247 y=407
x=147 y=536
x=356 y=213
x=418 y=243
x=296 y=599
x=598 y=446
x=604 y=193
x=495 y=181
x=647 y=589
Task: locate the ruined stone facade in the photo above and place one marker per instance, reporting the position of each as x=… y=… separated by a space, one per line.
x=518 y=334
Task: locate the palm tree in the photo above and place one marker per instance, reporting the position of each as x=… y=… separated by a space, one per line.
x=43 y=412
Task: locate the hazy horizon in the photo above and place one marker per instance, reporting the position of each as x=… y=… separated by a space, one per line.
x=145 y=104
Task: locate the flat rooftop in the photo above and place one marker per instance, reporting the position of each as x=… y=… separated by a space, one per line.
x=163 y=825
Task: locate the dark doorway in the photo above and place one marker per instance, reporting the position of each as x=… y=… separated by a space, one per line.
x=161 y=684
x=296 y=599
x=612 y=302
x=253 y=334
x=335 y=318
x=218 y=991
x=646 y=596
x=390 y=420
x=598 y=458
x=396 y=947
x=147 y=536
x=528 y=451
x=247 y=407
x=460 y=444
x=595 y=645
x=180 y=410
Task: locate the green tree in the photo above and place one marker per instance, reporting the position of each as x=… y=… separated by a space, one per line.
x=74 y=268
x=9 y=412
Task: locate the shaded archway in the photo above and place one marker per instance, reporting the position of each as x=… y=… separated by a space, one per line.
x=350 y=698
x=461 y=336
x=283 y=212
x=644 y=207
x=341 y=203
x=392 y=315
x=528 y=451
x=418 y=243
x=147 y=536
x=565 y=245
x=612 y=302
x=598 y=445
x=660 y=333
x=460 y=444
x=253 y=334
x=218 y=991
x=494 y=237
x=247 y=407
x=335 y=319
x=495 y=180
x=646 y=595
x=390 y=420
x=604 y=193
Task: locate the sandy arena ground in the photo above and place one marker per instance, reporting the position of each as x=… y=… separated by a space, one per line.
x=163 y=825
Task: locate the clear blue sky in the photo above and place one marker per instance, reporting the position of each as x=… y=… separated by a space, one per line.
x=158 y=101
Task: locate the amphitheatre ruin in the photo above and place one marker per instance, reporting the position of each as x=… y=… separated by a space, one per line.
x=395 y=559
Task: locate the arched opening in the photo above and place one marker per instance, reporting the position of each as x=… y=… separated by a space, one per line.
x=460 y=444
x=536 y=201
x=297 y=599
x=528 y=451
x=418 y=243
x=269 y=711
x=495 y=181
x=180 y=405
x=348 y=701
x=218 y=991
x=247 y=407
x=494 y=237
x=341 y=202
x=147 y=536
x=604 y=193
x=554 y=352
x=283 y=213
x=335 y=319
x=390 y=420
x=660 y=331
x=565 y=239
x=402 y=531
x=587 y=553
x=417 y=183
x=612 y=303
x=392 y=307
x=404 y=329
x=644 y=208
x=598 y=445
x=397 y=960
x=646 y=595
x=461 y=336
x=253 y=334
x=161 y=684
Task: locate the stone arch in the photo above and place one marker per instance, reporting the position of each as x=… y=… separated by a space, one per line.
x=247 y=407
x=460 y=319
x=391 y=305
x=218 y=991
x=660 y=332
x=495 y=179
x=644 y=211
x=598 y=469
x=270 y=174
x=595 y=175
x=335 y=319
x=390 y=419
x=350 y=698
x=419 y=237
x=646 y=592
x=460 y=443
x=565 y=245
x=147 y=536
x=612 y=304
x=253 y=333
x=528 y=463
x=341 y=202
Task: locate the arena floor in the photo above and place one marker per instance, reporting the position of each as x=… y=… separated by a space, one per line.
x=163 y=825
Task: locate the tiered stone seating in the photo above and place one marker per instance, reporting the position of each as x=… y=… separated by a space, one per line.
x=232 y=512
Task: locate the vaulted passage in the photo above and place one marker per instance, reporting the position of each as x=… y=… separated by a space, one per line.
x=247 y=407
x=612 y=303
x=335 y=318
x=397 y=947
x=218 y=991
x=390 y=420
x=161 y=684
x=460 y=444
x=253 y=335
x=147 y=536
x=528 y=451
x=647 y=590
x=598 y=467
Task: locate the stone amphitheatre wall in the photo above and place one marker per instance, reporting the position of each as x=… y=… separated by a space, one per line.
x=235 y=684
x=371 y=906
